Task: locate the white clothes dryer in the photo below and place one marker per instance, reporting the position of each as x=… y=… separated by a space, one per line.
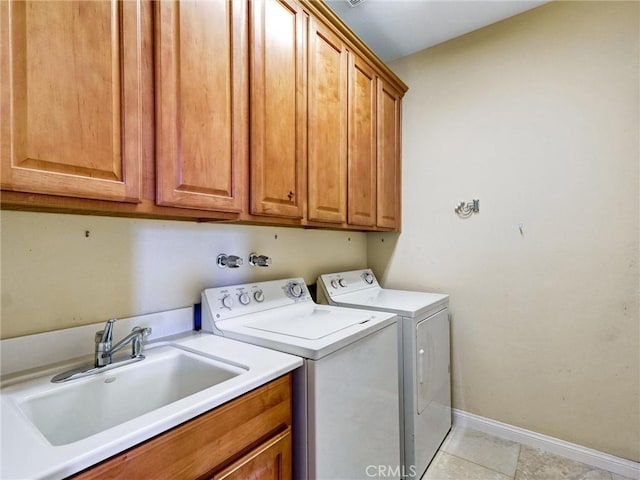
x=424 y=358
x=345 y=396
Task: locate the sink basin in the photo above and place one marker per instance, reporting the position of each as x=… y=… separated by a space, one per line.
x=80 y=408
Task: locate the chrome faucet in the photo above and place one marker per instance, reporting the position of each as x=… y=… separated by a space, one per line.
x=104 y=338
x=104 y=350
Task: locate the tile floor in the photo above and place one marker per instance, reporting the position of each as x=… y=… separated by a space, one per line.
x=472 y=455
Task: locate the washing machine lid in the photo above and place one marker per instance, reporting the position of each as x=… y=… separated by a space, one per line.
x=308 y=330
x=401 y=302
x=313 y=325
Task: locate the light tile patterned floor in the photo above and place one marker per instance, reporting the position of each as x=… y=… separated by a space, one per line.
x=472 y=455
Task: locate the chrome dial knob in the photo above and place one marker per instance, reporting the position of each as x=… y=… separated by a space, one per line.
x=295 y=289
x=334 y=283
x=244 y=298
x=342 y=283
x=368 y=278
x=227 y=301
x=258 y=296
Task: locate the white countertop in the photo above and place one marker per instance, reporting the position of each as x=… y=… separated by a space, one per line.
x=26 y=454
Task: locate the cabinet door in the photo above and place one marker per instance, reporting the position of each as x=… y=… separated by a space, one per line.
x=361 y=204
x=270 y=461
x=278 y=30
x=327 y=126
x=201 y=104
x=388 y=202
x=71 y=98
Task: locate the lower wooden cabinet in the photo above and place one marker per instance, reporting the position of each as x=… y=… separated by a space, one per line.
x=249 y=437
x=270 y=461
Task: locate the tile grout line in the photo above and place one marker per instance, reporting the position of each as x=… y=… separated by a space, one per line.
x=511 y=477
x=517 y=461
x=480 y=465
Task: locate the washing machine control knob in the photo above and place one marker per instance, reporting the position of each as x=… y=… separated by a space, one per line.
x=368 y=278
x=227 y=301
x=295 y=289
x=244 y=298
x=334 y=283
x=342 y=283
x=258 y=296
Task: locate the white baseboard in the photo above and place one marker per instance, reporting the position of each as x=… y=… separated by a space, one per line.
x=597 y=459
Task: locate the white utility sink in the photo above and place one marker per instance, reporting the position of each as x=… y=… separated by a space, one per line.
x=77 y=409
x=54 y=430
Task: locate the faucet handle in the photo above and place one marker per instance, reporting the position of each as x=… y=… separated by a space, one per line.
x=106 y=335
x=259 y=260
x=228 y=261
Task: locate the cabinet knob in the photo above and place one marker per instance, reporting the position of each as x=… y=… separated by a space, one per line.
x=291 y=195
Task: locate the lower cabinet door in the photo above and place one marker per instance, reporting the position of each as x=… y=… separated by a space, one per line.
x=269 y=461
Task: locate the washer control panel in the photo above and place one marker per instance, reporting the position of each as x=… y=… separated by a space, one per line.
x=346 y=282
x=228 y=302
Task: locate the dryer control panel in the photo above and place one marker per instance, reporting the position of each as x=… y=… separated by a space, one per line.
x=347 y=282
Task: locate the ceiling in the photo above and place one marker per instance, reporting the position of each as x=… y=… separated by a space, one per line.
x=395 y=28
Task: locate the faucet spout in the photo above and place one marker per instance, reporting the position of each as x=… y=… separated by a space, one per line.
x=103 y=360
x=104 y=349
x=135 y=338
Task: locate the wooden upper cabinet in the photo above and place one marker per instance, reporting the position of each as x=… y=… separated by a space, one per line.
x=278 y=61
x=327 y=160
x=267 y=111
x=388 y=122
x=201 y=104
x=362 y=143
x=70 y=89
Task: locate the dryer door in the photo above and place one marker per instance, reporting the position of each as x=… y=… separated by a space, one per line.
x=432 y=363
x=433 y=387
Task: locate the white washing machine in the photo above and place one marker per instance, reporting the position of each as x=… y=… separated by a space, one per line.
x=424 y=367
x=345 y=396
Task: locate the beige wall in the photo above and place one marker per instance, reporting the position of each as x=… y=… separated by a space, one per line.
x=536 y=116
x=54 y=276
